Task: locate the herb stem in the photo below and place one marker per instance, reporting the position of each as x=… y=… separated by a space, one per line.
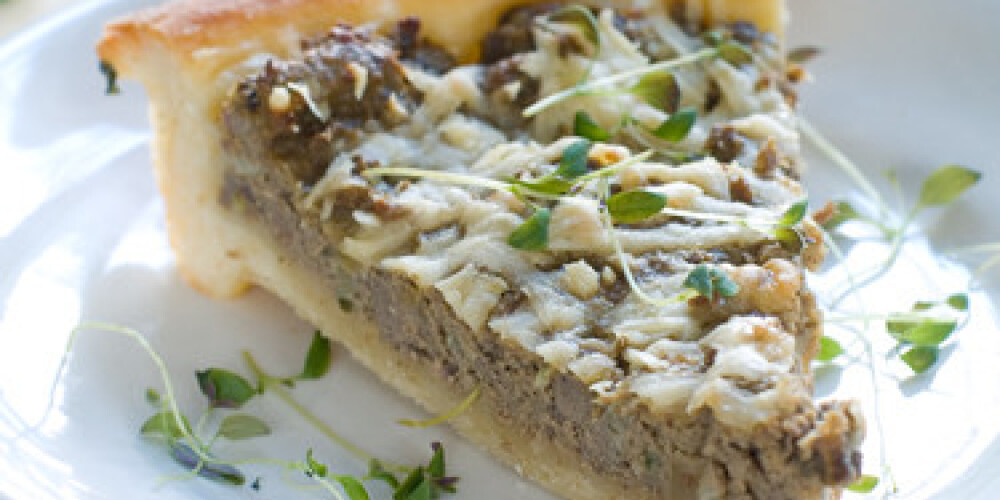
x=271 y=383
x=908 y=317
x=842 y=161
x=896 y=246
x=717 y=217
x=869 y=351
x=609 y=226
x=460 y=408
x=202 y=420
x=453 y=178
x=984 y=248
x=985 y=266
x=591 y=85
x=196 y=445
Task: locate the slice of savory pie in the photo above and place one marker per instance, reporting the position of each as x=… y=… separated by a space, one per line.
x=591 y=214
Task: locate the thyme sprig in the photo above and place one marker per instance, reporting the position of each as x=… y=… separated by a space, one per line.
x=227 y=390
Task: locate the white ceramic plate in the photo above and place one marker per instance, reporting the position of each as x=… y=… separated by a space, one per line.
x=906 y=84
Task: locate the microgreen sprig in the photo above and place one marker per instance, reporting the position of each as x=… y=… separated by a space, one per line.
x=942 y=187
x=919 y=332
x=598 y=84
x=571 y=175
x=225 y=389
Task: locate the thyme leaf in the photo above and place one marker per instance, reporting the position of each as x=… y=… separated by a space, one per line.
x=958 y=301
x=111 y=77
x=636 y=205
x=734 y=53
x=829 y=349
x=794 y=214
x=317 y=362
x=553 y=185
x=165 y=424
x=804 y=54
x=190 y=460
x=223 y=388
x=573 y=163
x=711 y=282
x=920 y=358
x=926 y=332
x=864 y=484
x=659 y=89
x=533 y=234
x=314 y=467
x=946 y=184
x=585 y=126
x=152 y=396
x=354 y=489
x=581 y=18
x=677 y=127
x=377 y=471
x=242 y=426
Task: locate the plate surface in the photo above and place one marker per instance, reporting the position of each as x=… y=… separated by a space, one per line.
x=904 y=84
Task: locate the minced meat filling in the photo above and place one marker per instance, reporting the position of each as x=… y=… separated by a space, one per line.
x=301 y=113
x=430 y=262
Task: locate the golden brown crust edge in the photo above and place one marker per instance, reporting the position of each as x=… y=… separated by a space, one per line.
x=189 y=25
x=189 y=54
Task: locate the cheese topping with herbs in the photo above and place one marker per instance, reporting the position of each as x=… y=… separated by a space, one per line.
x=577 y=308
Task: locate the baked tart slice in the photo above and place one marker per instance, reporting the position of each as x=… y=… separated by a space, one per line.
x=588 y=213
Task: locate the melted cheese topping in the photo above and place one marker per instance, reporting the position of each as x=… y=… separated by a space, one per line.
x=453 y=238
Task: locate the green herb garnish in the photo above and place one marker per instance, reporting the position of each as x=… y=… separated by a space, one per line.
x=794 y=214
x=802 y=55
x=459 y=409
x=214 y=470
x=223 y=388
x=585 y=126
x=923 y=332
x=165 y=424
x=711 y=282
x=677 y=127
x=634 y=206
x=152 y=396
x=111 y=77
x=958 y=302
x=864 y=484
x=241 y=426
x=581 y=18
x=920 y=358
x=592 y=86
x=533 y=234
x=659 y=89
x=573 y=163
x=946 y=184
x=317 y=362
x=735 y=53
x=829 y=349
x=842 y=212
